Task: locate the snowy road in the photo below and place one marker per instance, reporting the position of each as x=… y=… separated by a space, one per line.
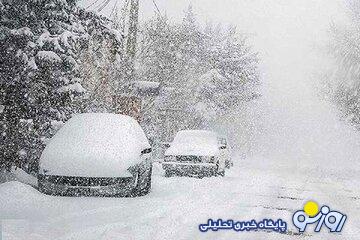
x=176 y=206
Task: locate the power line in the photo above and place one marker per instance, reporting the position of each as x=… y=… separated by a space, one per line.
x=92 y=4
x=106 y=2
x=156 y=7
x=100 y=4
x=114 y=9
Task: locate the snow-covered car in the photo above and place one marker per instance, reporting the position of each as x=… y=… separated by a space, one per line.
x=97 y=154
x=226 y=151
x=194 y=152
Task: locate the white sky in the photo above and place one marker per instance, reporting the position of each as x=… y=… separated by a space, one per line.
x=283 y=31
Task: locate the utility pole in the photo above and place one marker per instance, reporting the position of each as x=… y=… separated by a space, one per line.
x=130 y=104
x=131 y=38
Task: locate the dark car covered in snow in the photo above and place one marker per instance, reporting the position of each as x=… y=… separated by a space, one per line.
x=97 y=154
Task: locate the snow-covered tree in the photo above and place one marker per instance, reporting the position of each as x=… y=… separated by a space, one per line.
x=205 y=74
x=41 y=73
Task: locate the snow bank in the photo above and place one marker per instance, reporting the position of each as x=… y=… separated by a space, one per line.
x=16 y=189
x=18 y=200
x=176 y=206
x=194 y=142
x=94 y=144
x=17 y=174
x=21 y=176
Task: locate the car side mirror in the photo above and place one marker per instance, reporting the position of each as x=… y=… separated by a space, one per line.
x=146 y=150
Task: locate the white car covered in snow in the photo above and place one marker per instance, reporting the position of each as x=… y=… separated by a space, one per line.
x=97 y=154
x=195 y=152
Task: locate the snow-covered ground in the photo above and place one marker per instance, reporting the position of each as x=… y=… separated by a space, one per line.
x=176 y=206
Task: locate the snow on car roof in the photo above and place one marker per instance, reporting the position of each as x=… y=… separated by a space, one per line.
x=195 y=134
x=96 y=145
x=194 y=142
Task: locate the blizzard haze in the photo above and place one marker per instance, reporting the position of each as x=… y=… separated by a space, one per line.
x=290 y=123
x=293 y=125
x=292 y=146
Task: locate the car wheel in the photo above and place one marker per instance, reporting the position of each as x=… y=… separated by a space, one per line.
x=143 y=185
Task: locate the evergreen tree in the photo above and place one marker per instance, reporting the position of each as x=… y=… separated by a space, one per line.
x=40 y=71
x=205 y=74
